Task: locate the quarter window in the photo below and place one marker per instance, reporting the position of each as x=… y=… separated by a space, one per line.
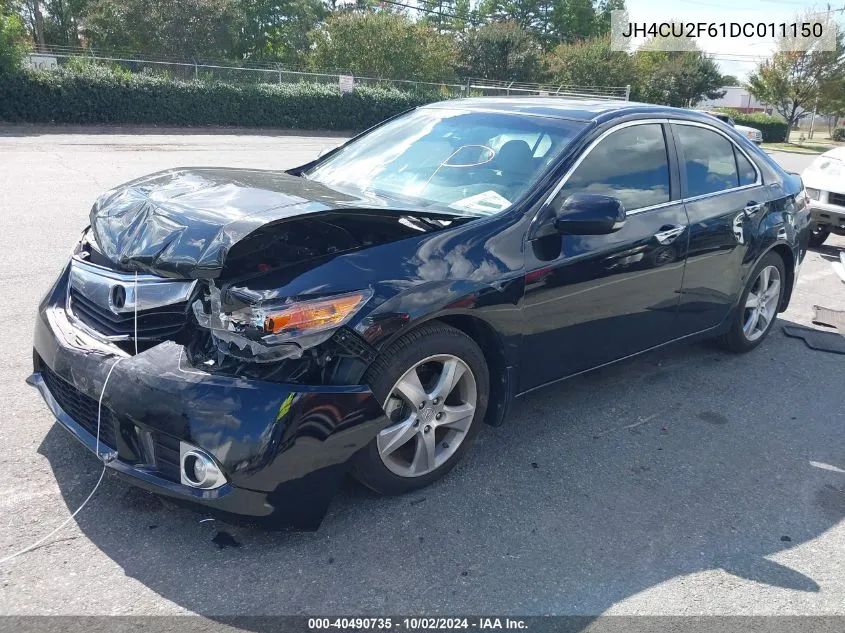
x=747 y=173
x=630 y=164
x=709 y=160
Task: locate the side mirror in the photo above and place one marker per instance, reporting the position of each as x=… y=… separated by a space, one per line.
x=590 y=214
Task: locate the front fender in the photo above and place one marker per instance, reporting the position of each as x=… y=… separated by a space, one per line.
x=497 y=307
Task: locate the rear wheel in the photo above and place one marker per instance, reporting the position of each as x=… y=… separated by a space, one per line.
x=758 y=307
x=818 y=234
x=434 y=386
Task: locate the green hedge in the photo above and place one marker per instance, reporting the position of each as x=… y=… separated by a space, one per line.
x=838 y=134
x=774 y=129
x=106 y=96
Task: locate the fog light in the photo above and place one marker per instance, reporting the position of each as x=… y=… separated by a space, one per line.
x=198 y=469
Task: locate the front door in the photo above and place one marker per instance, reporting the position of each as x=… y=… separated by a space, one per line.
x=590 y=300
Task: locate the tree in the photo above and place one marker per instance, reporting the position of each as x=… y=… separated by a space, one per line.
x=832 y=100
x=730 y=80
x=61 y=21
x=676 y=78
x=526 y=14
x=603 y=15
x=501 y=50
x=673 y=71
x=382 y=44
x=573 y=20
x=13 y=38
x=591 y=63
x=791 y=80
x=554 y=21
x=33 y=17
x=189 y=29
x=277 y=30
x=442 y=14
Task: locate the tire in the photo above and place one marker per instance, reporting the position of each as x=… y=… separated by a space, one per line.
x=818 y=234
x=738 y=338
x=401 y=459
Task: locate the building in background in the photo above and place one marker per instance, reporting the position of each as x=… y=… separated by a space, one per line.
x=738 y=98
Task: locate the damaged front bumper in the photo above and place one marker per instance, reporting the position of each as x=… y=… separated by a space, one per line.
x=283 y=448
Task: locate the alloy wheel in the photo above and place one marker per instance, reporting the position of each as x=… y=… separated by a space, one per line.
x=431 y=408
x=761 y=305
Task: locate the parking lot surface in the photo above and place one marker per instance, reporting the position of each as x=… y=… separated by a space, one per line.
x=688 y=481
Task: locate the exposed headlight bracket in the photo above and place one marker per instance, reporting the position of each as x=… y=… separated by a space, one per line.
x=266 y=333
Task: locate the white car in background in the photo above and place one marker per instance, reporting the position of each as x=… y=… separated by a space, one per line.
x=751 y=133
x=824 y=180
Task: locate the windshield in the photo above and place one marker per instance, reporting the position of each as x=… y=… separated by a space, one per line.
x=475 y=162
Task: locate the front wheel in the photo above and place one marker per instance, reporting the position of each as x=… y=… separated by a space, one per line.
x=818 y=234
x=434 y=385
x=753 y=319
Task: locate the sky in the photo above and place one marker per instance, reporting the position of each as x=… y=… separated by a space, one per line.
x=737 y=56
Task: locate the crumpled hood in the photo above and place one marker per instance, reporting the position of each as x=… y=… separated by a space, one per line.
x=182 y=223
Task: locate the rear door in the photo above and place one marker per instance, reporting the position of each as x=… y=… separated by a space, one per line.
x=723 y=195
x=592 y=299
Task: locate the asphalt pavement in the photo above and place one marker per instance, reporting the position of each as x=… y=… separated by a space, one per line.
x=687 y=481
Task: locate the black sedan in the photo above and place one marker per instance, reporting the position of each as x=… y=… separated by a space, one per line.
x=243 y=339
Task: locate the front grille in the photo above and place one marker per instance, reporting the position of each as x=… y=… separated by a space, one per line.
x=153 y=324
x=83 y=410
x=167 y=456
x=836 y=198
x=80 y=407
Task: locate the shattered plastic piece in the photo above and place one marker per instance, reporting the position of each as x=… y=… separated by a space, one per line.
x=233 y=343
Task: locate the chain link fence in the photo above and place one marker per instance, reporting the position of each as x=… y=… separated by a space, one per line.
x=251 y=73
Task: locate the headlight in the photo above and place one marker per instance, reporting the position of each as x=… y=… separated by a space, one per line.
x=288 y=320
x=813 y=193
x=268 y=332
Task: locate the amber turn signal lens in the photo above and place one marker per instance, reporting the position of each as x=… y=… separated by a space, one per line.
x=311 y=315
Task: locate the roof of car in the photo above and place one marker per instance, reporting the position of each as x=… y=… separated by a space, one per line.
x=561 y=107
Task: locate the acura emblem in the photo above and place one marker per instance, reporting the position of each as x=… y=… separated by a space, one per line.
x=118 y=297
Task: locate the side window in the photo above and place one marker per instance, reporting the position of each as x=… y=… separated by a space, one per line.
x=630 y=164
x=747 y=173
x=708 y=160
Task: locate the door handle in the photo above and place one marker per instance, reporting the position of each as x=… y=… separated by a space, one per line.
x=752 y=207
x=669 y=233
